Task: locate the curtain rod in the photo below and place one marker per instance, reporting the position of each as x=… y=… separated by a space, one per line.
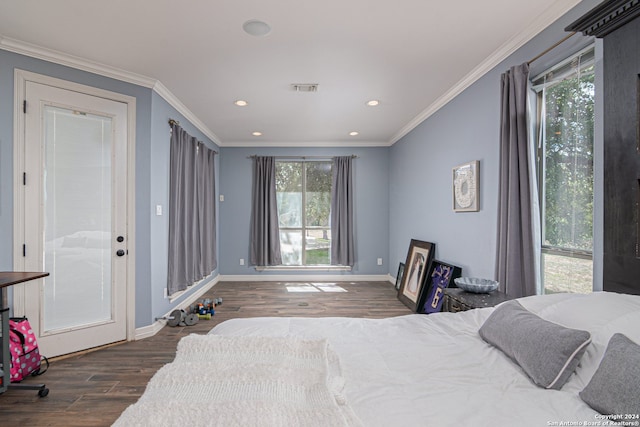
x=253 y=156
x=550 y=48
x=175 y=122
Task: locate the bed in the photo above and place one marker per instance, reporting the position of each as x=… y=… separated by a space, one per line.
x=427 y=370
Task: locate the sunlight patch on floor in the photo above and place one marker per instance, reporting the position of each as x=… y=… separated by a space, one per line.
x=314 y=287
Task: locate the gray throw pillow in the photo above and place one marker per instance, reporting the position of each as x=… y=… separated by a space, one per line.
x=615 y=387
x=547 y=352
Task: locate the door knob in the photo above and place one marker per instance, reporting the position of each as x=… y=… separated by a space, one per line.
x=120 y=252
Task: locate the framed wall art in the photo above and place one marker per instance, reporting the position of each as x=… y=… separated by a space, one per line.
x=399 y=275
x=440 y=277
x=417 y=265
x=466 y=187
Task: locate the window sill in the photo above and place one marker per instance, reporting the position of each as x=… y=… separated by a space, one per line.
x=174 y=296
x=304 y=268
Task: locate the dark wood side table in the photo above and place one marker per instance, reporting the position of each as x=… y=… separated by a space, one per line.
x=455 y=299
x=10 y=278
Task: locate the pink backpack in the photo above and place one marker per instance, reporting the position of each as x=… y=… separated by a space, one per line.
x=25 y=355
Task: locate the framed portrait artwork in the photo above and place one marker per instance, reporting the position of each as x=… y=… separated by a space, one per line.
x=399 y=275
x=466 y=187
x=417 y=265
x=440 y=277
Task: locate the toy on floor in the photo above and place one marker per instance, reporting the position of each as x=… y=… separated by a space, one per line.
x=205 y=309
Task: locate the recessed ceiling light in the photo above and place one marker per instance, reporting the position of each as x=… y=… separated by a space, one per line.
x=354 y=133
x=241 y=103
x=373 y=103
x=256 y=28
x=256 y=133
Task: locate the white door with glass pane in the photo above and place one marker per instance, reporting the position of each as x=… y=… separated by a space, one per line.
x=75 y=208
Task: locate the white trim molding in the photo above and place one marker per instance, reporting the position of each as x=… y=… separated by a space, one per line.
x=61 y=58
x=21 y=77
x=547 y=18
x=538 y=24
x=212 y=281
x=306 y=278
x=166 y=94
x=160 y=322
x=303 y=268
x=287 y=144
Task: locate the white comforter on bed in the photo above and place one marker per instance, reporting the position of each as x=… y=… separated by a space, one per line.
x=435 y=370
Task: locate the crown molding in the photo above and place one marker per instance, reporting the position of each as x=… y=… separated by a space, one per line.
x=540 y=23
x=547 y=18
x=61 y=58
x=258 y=143
x=166 y=94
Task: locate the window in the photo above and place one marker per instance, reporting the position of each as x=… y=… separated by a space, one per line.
x=565 y=173
x=304 y=205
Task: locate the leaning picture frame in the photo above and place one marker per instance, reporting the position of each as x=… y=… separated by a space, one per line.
x=440 y=276
x=466 y=187
x=417 y=264
x=399 y=275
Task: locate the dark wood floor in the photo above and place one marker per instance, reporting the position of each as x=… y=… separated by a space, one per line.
x=93 y=389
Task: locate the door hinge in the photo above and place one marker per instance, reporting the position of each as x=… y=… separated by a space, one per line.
x=24 y=178
x=24 y=106
x=24 y=250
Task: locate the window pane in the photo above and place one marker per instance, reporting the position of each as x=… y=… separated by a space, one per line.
x=567 y=274
x=318 y=194
x=318 y=247
x=289 y=193
x=568 y=178
x=77 y=180
x=566 y=175
x=291 y=247
x=304 y=187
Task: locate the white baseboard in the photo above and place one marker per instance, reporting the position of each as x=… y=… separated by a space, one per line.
x=155 y=327
x=307 y=278
x=149 y=331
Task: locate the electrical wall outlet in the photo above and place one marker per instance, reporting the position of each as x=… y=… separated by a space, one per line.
x=222 y=197
x=241 y=261
x=158 y=210
x=379 y=261
x=166 y=293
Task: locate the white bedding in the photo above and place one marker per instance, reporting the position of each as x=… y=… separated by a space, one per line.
x=245 y=381
x=435 y=370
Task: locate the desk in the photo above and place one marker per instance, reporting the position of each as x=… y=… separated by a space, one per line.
x=10 y=278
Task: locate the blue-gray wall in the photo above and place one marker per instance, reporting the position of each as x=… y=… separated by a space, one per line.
x=152 y=139
x=371 y=200
x=466 y=129
x=402 y=192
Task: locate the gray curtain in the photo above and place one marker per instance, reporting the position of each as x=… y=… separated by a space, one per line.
x=207 y=210
x=515 y=262
x=342 y=251
x=192 y=238
x=265 y=231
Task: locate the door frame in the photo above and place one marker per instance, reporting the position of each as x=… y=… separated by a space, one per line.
x=21 y=77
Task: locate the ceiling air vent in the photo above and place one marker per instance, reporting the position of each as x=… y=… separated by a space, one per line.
x=305 y=87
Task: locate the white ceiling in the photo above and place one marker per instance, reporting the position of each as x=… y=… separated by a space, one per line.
x=412 y=55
